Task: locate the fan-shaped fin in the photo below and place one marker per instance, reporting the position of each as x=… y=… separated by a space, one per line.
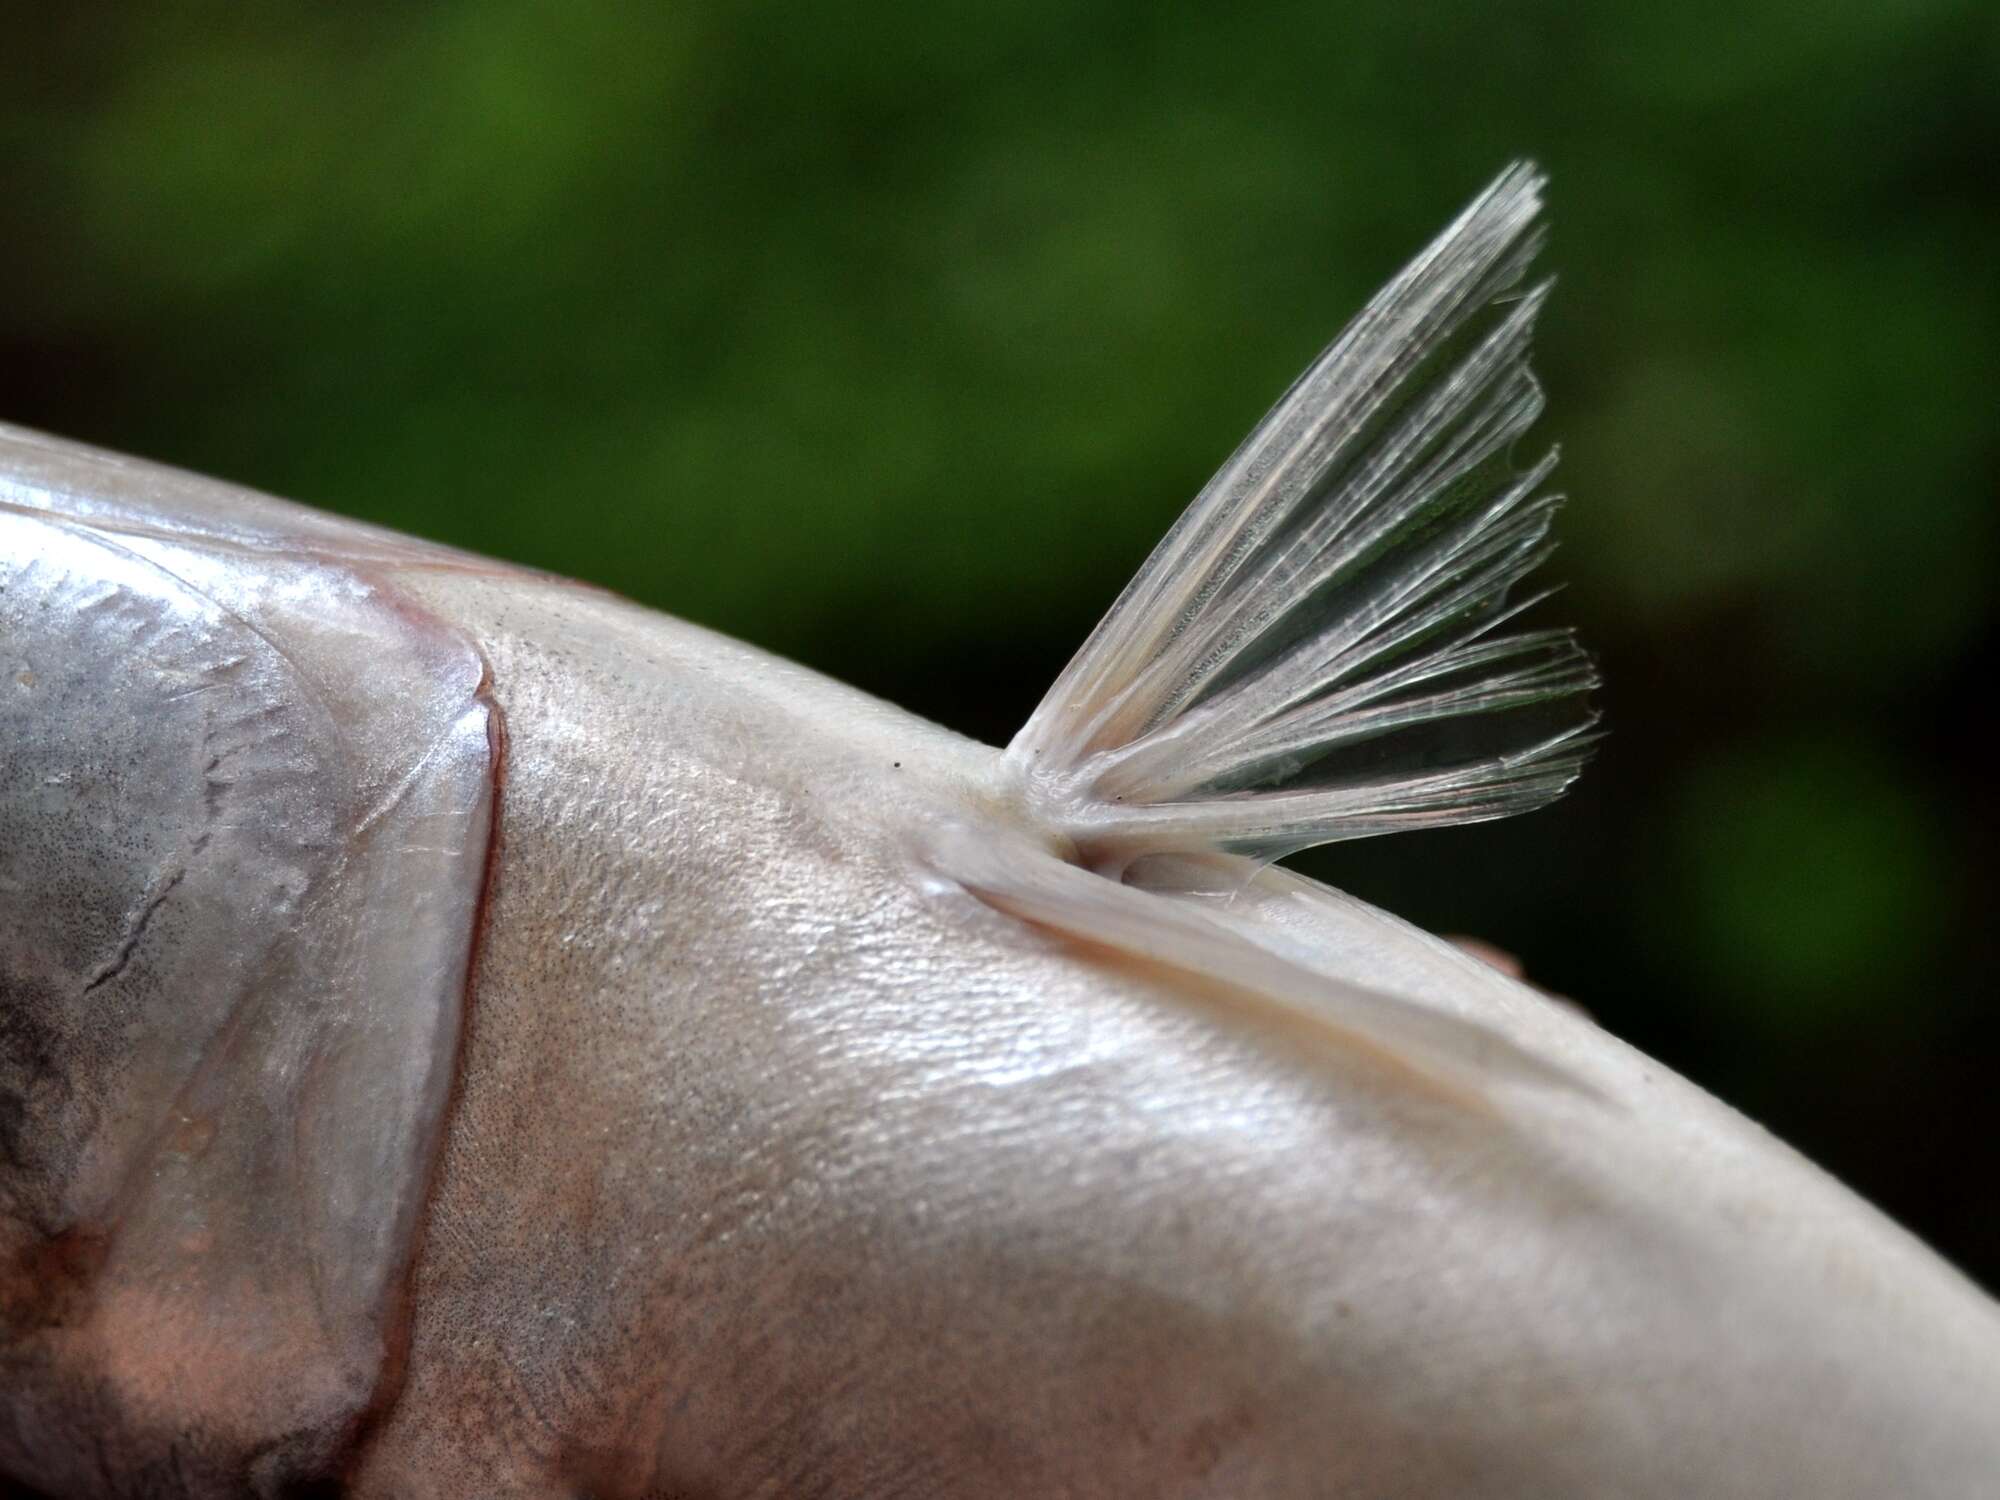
x=1313 y=651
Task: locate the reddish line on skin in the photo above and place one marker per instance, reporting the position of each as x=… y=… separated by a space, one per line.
x=1488 y=954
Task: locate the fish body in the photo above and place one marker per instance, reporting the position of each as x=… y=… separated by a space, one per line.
x=468 y=1035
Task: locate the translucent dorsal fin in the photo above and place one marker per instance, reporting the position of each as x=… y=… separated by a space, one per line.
x=1314 y=652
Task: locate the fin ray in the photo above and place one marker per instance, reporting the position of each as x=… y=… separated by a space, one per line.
x=1184 y=936
x=1310 y=653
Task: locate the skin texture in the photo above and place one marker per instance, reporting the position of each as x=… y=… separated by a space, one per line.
x=790 y=1149
x=245 y=810
x=900 y=1198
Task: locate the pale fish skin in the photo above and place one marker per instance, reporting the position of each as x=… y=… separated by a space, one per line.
x=465 y=1035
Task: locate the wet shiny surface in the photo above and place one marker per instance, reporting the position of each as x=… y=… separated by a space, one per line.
x=781 y=1162
x=785 y=1165
x=244 y=813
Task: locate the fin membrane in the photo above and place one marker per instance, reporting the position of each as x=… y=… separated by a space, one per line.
x=1316 y=650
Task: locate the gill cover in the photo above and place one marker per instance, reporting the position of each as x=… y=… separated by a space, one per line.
x=246 y=794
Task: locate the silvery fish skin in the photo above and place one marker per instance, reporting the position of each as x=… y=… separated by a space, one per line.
x=462 y=1034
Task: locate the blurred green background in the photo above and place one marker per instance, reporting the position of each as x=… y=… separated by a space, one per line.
x=890 y=337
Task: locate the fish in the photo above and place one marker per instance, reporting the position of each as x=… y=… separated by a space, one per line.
x=464 y=1034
